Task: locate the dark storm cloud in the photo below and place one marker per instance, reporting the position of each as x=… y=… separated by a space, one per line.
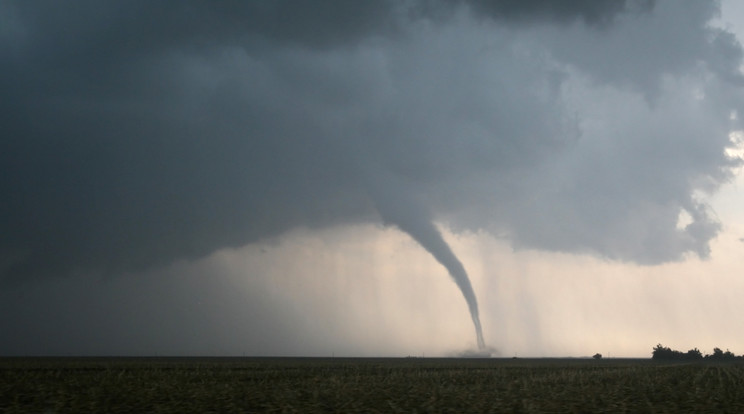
x=596 y=12
x=136 y=133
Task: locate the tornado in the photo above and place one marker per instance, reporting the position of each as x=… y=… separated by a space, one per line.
x=398 y=210
x=429 y=237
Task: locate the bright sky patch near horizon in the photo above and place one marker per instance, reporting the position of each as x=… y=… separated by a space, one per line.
x=242 y=190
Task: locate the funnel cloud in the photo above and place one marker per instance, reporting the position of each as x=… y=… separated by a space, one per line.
x=416 y=222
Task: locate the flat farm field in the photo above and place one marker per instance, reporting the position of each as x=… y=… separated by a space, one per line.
x=348 y=385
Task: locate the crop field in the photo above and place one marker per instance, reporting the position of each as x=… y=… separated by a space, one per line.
x=406 y=385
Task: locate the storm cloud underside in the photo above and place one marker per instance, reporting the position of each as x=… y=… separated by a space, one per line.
x=139 y=133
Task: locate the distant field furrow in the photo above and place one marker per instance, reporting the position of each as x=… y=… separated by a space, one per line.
x=366 y=385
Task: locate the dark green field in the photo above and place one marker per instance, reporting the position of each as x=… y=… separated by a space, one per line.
x=408 y=385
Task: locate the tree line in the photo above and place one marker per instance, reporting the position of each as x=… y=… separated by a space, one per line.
x=664 y=353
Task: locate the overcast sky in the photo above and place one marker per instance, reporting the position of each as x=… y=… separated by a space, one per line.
x=370 y=177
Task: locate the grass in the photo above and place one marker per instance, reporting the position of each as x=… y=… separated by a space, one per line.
x=306 y=385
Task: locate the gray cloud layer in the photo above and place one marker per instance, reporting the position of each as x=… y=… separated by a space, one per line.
x=137 y=133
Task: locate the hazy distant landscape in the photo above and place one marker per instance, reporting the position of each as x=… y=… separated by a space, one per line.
x=402 y=385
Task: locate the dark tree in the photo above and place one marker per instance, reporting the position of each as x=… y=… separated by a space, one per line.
x=719 y=355
x=663 y=353
x=667 y=354
x=597 y=356
x=694 y=354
